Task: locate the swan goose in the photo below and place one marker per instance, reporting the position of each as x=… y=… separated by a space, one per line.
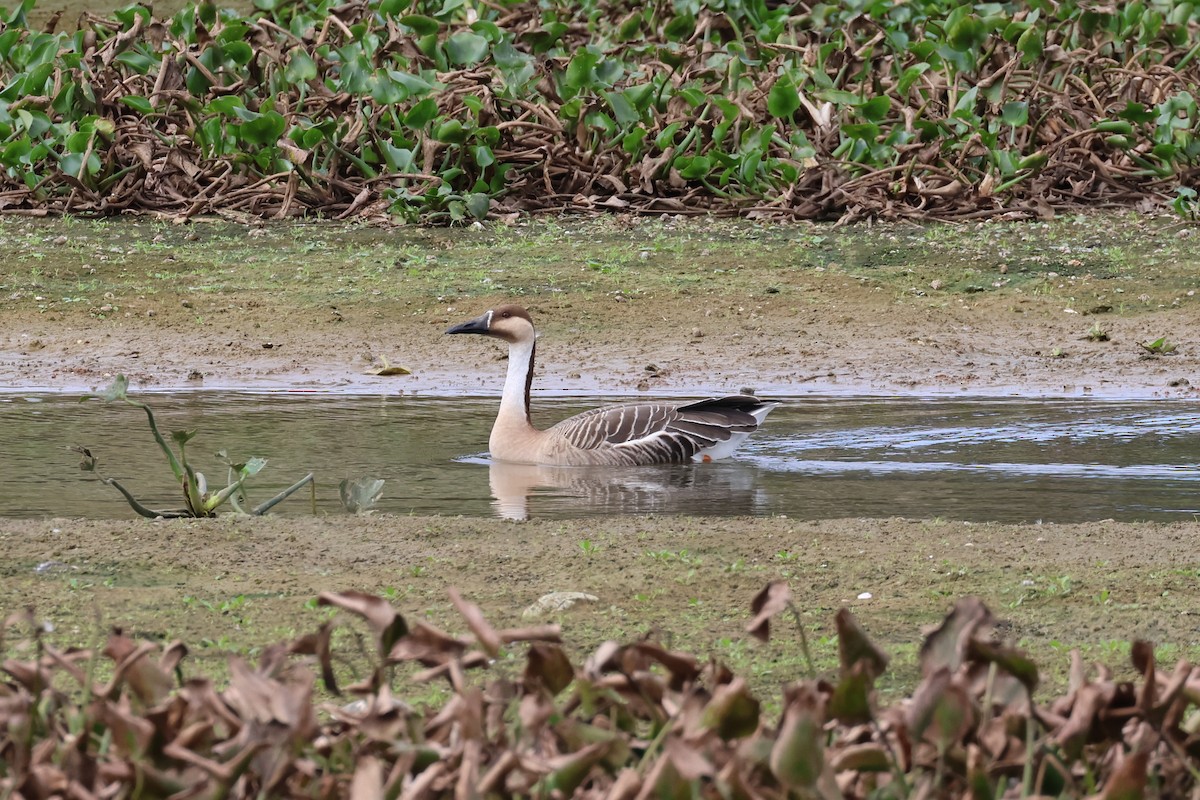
x=620 y=435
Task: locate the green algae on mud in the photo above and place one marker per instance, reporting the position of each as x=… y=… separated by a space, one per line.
x=63 y=263
x=1000 y=309
x=236 y=585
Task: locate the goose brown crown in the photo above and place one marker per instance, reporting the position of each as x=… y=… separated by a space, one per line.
x=629 y=434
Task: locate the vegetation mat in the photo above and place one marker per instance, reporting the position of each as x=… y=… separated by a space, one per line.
x=447 y=110
x=635 y=720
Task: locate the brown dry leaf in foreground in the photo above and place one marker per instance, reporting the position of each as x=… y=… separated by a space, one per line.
x=634 y=721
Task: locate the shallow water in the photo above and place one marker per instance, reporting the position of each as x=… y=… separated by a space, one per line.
x=980 y=460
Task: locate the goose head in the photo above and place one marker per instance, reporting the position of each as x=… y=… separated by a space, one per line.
x=511 y=323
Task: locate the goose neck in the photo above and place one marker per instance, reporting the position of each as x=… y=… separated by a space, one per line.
x=514 y=404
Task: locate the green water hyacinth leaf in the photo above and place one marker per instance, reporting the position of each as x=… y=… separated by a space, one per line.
x=465 y=48
x=421 y=24
x=73 y=164
x=478 y=205
x=415 y=84
x=876 y=108
x=693 y=167
x=967 y=33
x=910 y=76
x=79 y=141
x=138 y=62
x=632 y=143
x=386 y=91
x=421 y=114
x=680 y=27
x=623 y=110
x=1136 y=112
x=239 y=53
x=630 y=26
x=451 y=131
x=266 y=129
x=1015 y=114
x=867 y=131
x=1031 y=45
x=228 y=105
x=399 y=159
x=640 y=96
x=488 y=30
x=483 y=155
x=138 y=104
x=580 y=70
x=300 y=67
x=117 y=390
x=783 y=99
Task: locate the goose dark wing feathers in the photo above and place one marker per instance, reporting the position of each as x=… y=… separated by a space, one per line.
x=661 y=432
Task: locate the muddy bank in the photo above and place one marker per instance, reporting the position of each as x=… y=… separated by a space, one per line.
x=852 y=344
x=655 y=309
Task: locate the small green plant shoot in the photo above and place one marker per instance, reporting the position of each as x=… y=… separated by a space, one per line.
x=1159 y=347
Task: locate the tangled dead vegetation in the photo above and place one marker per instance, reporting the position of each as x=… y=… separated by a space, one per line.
x=634 y=721
x=443 y=111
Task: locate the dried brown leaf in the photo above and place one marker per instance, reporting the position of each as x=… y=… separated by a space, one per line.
x=548 y=666
x=428 y=645
x=774 y=598
x=798 y=755
x=869 y=757
x=940 y=710
x=150 y=684
x=485 y=634
x=733 y=712
x=318 y=644
x=949 y=645
x=684 y=668
x=367 y=783
x=854 y=646
x=1129 y=780
x=850 y=703
x=1011 y=660
x=568 y=772
x=381 y=618
x=1089 y=700
x=688 y=761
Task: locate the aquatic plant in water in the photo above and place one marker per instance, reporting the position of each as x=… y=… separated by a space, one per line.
x=198 y=500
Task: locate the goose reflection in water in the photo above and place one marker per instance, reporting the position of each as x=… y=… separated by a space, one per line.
x=728 y=489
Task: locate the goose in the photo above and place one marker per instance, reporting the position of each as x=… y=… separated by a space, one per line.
x=632 y=434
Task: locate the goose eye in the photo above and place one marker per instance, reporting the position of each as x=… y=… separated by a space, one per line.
x=506 y=314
